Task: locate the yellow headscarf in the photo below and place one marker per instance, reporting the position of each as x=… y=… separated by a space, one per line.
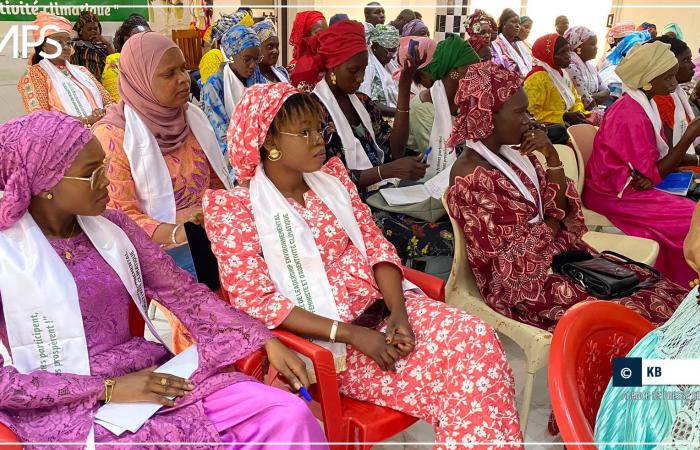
x=644 y=63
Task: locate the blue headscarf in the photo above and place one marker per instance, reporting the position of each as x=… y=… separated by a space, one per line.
x=227 y=21
x=265 y=30
x=337 y=18
x=626 y=44
x=237 y=39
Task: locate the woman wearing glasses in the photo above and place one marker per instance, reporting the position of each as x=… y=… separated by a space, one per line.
x=222 y=91
x=54 y=84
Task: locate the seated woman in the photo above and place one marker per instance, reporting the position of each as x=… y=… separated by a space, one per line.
x=583 y=45
x=134 y=24
x=268 y=71
x=607 y=67
x=371 y=149
x=515 y=215
x=554 y=101
x=505 y=46
x=675 y=109
x=55 y=193
x=524 y=33
x=663 y=413
x=57 y=85
x=91 y=48
x=425 y=48
x=306 y=24
x=482 y=31
x=164 y=153
x=415 y=27
x=630 y=146
x=378 y=85
x=241 y=47
x=213 y=58
x=407 y=352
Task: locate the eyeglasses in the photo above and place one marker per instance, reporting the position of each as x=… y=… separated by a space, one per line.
x=325 y=134
x=96 y=176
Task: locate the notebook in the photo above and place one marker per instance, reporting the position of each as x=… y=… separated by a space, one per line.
x=676 y=183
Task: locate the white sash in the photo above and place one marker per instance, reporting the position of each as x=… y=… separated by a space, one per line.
x=522 y=162
x=562 y=82
x=355 y=156
x=440 y=156
x=652 y=112
x=233 y=90
x=280 y=74
x=154 y=186
x=375 y=68
x=512 y=54
x=526 y=53
x=73 y=99
x=682 y=111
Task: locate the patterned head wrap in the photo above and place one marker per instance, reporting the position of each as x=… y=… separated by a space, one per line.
x=237 y=39
x=44 y=19
x=265 y=30
x=482 y=92
x=413 y=27
x=426 y=46
x=328 y=49
x=475 y=24
x=303 y=22
x=240 y=17
x=626 y=44
x=451 y=53
x=85 y=18
x=386 y=36
x=645 y=62
x=674 y=28
x=619 y=30
x=35 y=152
x=337 y=18
x=250 y=123
x=577 y=36
x=650 y=27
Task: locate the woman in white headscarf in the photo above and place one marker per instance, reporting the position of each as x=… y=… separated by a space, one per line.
x=584 y=46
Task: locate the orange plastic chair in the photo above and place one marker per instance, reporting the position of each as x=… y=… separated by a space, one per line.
x=7 y=437
x=585 y=341
x=346 y=420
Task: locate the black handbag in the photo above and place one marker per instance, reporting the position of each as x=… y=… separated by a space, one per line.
x=603 y=276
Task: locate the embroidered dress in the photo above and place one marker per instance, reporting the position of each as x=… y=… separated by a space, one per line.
x=457 y=378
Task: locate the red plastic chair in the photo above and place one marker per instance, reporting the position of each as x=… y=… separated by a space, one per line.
x=346 y=420
x=7 y=437
x=586 y=339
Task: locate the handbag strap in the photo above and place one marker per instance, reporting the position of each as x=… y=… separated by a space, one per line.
x=652 y=280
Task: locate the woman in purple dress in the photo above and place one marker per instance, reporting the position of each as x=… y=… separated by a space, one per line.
x=68 y=273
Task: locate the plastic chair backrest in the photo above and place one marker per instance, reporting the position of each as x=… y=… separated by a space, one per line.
x=461 y=277
x=588 y=336
x=567 y=156
x=582 y=136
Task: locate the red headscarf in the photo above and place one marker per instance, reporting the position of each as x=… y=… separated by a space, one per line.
x=543 y=50
x=328 y=49
x=303 y=22
x=482 y=92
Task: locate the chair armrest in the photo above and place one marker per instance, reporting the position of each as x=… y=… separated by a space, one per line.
x=253 y=364
x=433 y=287
x=7 y=436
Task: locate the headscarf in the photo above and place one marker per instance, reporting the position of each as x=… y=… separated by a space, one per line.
x=251 y=121
x=619 y=30
x=138 y=62
x=327 y=49
x=237 y=39
x=44 y=19
x=479 y=41
x=482 y=92
x=451 y=53
x=650 y=27
x=337 y=18
x=645 y=62
x=506 y=15
x=265 y=30
x=624 y=46
x=301 y=28
x=674 y=28
x=413 y=27
x=386 y=36
x=474 y=21
x=524 y=19
x=577 y=36
x=240 y=17
x=426 y=46
x=85 y=18
x=35 y=152
x=543 y=50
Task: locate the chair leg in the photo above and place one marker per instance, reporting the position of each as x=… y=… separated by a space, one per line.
x=527 y=399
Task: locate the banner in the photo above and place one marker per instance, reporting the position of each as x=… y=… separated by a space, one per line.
x=106 y=10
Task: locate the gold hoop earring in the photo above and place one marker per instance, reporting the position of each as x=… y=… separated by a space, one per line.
x=49 y=196
x=334 y=79
x=454 y=75
x=647 y=87
x=274 y=155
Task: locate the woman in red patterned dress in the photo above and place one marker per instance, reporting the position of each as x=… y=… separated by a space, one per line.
x=295 y=238
x=516 y=215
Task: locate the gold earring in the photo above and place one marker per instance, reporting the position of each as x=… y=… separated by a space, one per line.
x=647 y=87
x=454 y=75
x=334 y=79
x=49 y=196
x=274 y=155
x=578 y=51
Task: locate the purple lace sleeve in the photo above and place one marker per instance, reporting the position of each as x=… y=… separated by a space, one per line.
x=41 y=389
x=223 y=334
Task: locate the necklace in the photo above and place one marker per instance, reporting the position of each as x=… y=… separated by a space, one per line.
x=67 y=254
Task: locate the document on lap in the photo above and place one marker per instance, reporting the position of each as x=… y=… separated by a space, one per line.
x=434 y=187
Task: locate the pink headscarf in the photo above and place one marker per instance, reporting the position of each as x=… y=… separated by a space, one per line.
x=250 y=123
x=426 y=46
x=35 y=152
x=138 y=62
x=619 y=30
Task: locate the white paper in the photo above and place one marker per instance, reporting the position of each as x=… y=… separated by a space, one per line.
x=118 y=417
x=437 y=185
x=407 y=195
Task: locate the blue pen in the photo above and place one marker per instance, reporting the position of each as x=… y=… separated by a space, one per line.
x=425 y=155
x=304 y=393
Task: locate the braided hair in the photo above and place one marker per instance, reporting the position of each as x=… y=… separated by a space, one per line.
x=127 y=27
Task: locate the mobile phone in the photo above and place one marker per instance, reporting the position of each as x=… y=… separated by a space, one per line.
x=412 y=49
